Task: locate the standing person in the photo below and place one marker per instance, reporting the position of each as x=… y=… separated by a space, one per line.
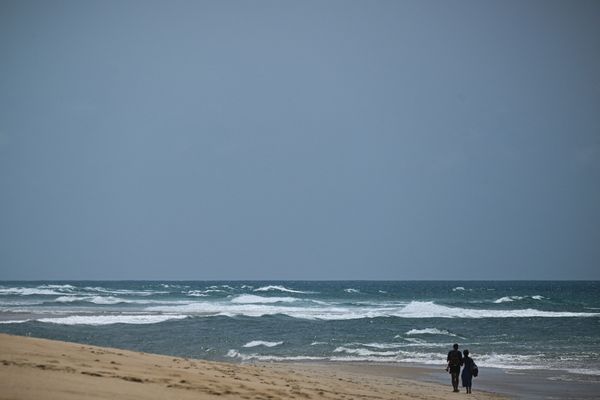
x=469 y=371
x=455 y=360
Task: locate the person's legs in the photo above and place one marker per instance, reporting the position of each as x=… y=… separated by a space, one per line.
x=467 y=380
x=455 y=380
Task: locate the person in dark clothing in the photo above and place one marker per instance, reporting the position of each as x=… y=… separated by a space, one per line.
x=467 y=373
x=455 y=360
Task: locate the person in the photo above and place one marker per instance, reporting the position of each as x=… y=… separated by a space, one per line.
x=455 y=361
x=468 y=371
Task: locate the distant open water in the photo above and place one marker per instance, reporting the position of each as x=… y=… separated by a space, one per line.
x=509 y=325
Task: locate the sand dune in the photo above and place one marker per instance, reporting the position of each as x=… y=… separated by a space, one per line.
x=46 y=369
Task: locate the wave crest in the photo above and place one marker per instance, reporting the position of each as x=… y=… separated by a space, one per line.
x=414 y=309
x=428 y=309
x=110 y=319
x=429 y=331
x=508 y=299
x=253 y=299
x=279 y=288
x=255 y=343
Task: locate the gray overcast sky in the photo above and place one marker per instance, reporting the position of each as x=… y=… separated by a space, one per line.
x=300 y=139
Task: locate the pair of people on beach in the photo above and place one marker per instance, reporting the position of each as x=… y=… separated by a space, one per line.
x=455 y=360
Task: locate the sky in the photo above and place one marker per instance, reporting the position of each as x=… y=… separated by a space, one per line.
x=300 y=139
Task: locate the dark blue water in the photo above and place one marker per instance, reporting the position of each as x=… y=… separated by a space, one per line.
x=510 y=325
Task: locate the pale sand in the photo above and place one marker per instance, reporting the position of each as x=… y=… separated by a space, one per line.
x=46 y=369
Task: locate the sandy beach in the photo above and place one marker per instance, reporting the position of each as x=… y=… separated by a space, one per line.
x=39 y=368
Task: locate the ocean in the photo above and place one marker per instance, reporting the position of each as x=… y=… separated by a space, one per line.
x=513 y=325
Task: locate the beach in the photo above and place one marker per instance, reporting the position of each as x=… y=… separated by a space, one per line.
x=505 y=325
x=531 y=340
x=33 y=368
x=299 y=200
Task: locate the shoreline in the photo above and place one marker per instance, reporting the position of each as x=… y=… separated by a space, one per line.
x=32 y=368
x=527 y=384
x=27 y=363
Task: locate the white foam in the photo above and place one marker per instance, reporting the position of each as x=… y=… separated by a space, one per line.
x=351 y=290
x=101 y=300
x=111 y=300
x=245 y=357
x=21 y=301
x=258 y=310
x=60 y=287
x=458 y=288
x=513 y=298
x=110 y=319
x=423 y=358
x=415 y=309
x=29 y=291
x=279 y=288
x=429 y=331
x=125 y=292
x=172 y=286
x=364 y=352
x=253 y=299
x=69 y=299
x=350 y=354
x=20 y=321
x=255 y=343
x=581 y=371
x=379 y=345
x=428 y=309
x=215 y=287
x=197 y=293
x=508 y=299
x=106 y=300
x=504 y=300
x=511 y=361
x=233 y=353
x=393 y=356
x=527 y=362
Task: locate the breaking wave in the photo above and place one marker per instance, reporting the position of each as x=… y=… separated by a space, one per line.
x=253 y=299
x=255 y=343
x=360 y=354
x=21 y=291
x=508 y=299
x=429 y=331
x=428 y=309
x=414 y=309
x=101 y=300
x=110 y=319
x=279 y=288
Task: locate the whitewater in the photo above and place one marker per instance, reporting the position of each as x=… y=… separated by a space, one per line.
x=509 y=325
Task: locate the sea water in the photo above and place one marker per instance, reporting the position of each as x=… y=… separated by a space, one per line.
x=510 y=325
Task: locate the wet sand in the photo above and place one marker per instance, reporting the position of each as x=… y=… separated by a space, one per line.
x=514 y=384
x=46 y=369
x=539 y=385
